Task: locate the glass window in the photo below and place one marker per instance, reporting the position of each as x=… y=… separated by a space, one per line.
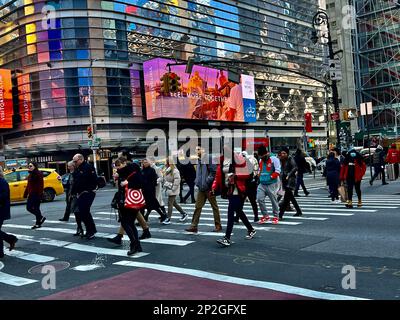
x=11 y=177
x=23 y=175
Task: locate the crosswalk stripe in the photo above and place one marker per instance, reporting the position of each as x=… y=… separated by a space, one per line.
x=248 y=213
x=29 y=256
x=315 y=209
x=81 y=247
x=15 y=280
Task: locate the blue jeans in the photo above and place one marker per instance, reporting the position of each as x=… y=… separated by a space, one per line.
x=235 y=205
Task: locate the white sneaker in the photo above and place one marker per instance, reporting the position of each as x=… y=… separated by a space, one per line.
x=184 y=217
x=167 y=221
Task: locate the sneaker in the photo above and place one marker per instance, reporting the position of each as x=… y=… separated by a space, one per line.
x=264 y=219
x=275 y=220
x=163 y=218
x=42 y=221
x=167 y=221
x=338 y=201
x=224 y=241
x=298 y=214
x=191 y=229
x=349 y=204
x=184 y=217
x=89 y=236
x=251 y=234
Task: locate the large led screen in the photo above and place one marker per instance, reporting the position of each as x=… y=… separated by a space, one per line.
x=205 y=94
x=6 y=103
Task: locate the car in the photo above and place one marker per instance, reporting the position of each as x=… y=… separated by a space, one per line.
x=18 y=180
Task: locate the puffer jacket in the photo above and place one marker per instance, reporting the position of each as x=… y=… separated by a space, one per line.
x=172 y=181
x=289 y=170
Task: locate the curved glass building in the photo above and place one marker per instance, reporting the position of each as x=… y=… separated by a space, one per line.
x=60 y=50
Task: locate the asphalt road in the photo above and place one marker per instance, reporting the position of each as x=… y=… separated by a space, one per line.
x=300 y=258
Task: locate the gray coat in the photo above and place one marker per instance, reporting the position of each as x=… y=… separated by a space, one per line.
x=289 y=171
x=205 y=174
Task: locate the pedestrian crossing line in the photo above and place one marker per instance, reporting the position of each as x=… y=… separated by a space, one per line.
x=269 y=210
x=15 y=280
x=29 y=256
x=315 y=209
x=81 y=247
x=109 y=235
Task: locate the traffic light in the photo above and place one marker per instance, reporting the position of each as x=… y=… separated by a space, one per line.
x=165 y=84
x=89 y=132
x=174 y=84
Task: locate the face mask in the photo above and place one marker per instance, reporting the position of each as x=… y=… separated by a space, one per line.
x=353 y=154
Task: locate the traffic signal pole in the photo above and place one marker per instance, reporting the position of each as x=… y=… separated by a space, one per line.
x=93 y=147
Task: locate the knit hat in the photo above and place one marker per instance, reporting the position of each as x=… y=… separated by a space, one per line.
x=285 y=149
x=393 y=145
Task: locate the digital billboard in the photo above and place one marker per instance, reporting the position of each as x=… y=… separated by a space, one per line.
x=205 y=94
x=6 y=103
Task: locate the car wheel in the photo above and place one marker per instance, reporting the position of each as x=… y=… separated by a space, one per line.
x=48 y=195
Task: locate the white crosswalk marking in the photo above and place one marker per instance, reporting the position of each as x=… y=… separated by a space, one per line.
x=29 y=256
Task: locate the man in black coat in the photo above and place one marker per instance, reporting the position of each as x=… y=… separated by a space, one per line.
x=5 y=214
x=84 y=187
x=302 y=167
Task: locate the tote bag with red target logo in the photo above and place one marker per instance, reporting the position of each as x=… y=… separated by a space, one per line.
x=134 y=199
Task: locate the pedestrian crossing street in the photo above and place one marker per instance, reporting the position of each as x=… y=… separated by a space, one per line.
x=57 y=235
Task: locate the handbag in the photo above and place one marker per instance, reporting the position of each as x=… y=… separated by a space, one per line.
x=342 y=190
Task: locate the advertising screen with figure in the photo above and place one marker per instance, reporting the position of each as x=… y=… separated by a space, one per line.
x=6 y=103
x=205 y=94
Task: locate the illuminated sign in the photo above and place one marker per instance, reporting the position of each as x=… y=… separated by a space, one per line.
x=205 y=94
x=6 y=103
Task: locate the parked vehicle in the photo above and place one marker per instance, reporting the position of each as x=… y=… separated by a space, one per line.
x=18 y=180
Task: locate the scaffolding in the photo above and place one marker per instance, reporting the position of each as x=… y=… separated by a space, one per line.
x=377 y=60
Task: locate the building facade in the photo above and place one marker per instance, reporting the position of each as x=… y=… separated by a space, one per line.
x=377 y=61
x=60 y=51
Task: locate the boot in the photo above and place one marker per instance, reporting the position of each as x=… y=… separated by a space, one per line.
x=117 y=239
x=349 y=204
x=146 y=234
x=359 y=204
x=134 y=248
x=79 y=231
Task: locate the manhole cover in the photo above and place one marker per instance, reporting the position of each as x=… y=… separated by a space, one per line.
x=57 y=265
x=1 y=265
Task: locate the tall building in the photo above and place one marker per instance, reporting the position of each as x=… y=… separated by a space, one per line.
x=377 y=61
x=60 y=51
x=341 y=26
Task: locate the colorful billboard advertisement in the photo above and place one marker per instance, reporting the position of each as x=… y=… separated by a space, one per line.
x=205 y=94
x=6 y=101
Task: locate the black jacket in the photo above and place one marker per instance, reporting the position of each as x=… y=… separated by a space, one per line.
x=85 y=179
x=149 y=181
x=301 y=163
x=289 y=170
x=4 y=200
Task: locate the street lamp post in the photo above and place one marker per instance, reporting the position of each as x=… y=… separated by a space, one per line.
x=319 y=19
x=92 y=122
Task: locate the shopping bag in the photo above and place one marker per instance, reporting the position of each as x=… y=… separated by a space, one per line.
x=343 y=193
x=134 y=199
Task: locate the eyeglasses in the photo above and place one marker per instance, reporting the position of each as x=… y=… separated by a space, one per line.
x=31 y=166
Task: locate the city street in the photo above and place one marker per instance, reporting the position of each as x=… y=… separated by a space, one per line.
x=300 y=258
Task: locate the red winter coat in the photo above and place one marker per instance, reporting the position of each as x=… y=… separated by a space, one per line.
x=360 y=168
x=393 y=156
x=35 y=184
x=241 y=172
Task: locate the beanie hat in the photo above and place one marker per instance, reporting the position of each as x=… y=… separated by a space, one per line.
x=285 y=149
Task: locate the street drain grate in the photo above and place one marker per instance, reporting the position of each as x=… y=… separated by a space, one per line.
x=57 y=265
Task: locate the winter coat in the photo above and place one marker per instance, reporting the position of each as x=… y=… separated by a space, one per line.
x=150 y=178
x=172 y=181
x=393 y=156
x=360 y=168
x=4 y=200
x=85 y=179
x=288 y=173
x=35 y=184
x=187 y=172
x=302 y=165
x=333 y=171
x=205 y=174
x=132 y=173
x=378 y=159
x=159 y=195
x=240 y=177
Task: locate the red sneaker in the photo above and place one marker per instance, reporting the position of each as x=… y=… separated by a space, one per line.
x=275 y=220
x=263 y=220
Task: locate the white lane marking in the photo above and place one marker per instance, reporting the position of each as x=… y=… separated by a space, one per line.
x=1 y=265
x=29 y=256
x=313 y=208
x=14 y=280
x=240 y=281
x=81 y=247
x=172 y=242
x=88 y=267
x=225 y=220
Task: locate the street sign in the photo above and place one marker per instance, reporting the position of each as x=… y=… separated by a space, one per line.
x=366 y=108
x=335 y=116
x=335 y=69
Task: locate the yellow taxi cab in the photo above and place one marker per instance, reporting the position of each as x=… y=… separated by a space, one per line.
x=18 y=180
